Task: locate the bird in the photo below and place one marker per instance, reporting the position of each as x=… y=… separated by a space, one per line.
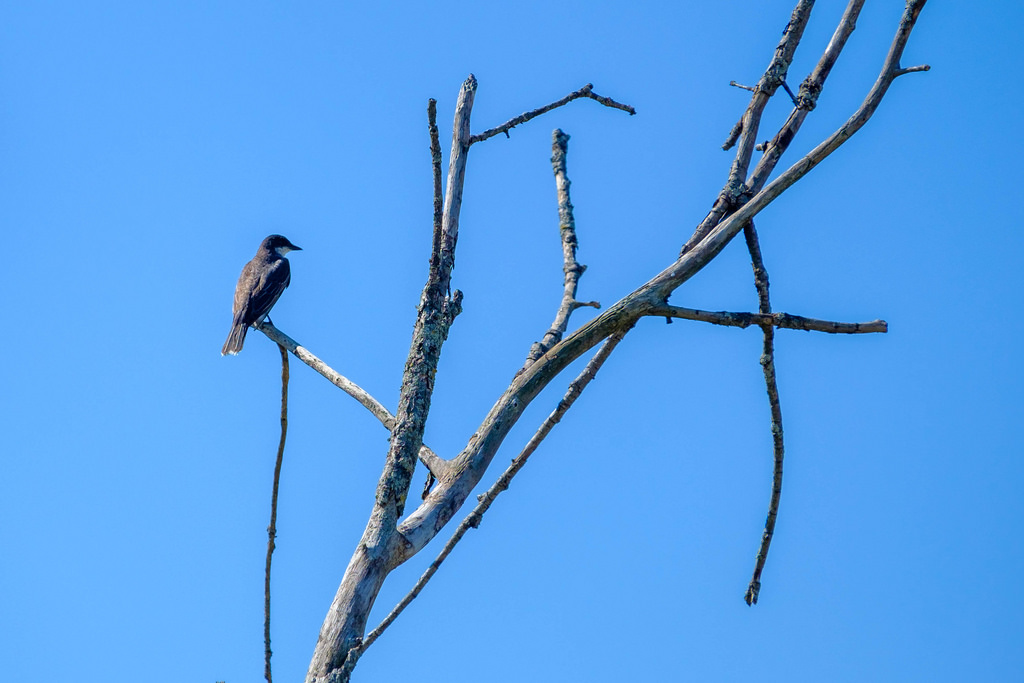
x=260 y=285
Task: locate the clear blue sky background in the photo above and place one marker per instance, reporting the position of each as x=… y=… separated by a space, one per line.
x=147 y=149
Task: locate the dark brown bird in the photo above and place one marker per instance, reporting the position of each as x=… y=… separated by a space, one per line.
x=260 y=285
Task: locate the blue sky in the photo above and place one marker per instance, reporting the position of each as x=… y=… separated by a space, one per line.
x=147 y=149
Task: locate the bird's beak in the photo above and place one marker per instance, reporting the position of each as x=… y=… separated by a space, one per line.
x=295 y=248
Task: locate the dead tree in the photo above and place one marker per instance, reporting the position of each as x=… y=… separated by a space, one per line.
x=391 y=537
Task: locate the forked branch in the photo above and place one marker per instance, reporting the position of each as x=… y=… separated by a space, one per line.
x=387 y=542
x=485 y=500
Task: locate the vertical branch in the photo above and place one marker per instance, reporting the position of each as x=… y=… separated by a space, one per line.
x=272 y=529
x=435 y=315
x=435 y=250
x=571 y=267
x=435 y=158
x=768 y=366
x=379 y=549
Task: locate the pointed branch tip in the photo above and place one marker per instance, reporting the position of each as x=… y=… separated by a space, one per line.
x=913 y=69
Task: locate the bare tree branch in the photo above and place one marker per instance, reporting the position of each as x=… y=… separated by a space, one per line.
x=435 y=162
x=768 y=366
x=422 y=524
x=913 y=69
x=780 y=320
x=746 y=130
x=335 y=378
x=272 y=528
x=430 y=460
x=806 y=100
x=346 y=619
x=385 y=545
x=585 y=91
x=473 y=519
x=435 y=250
x=717 y=238
x=571 y=268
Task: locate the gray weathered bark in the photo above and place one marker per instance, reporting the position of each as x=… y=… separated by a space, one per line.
x=390 y=540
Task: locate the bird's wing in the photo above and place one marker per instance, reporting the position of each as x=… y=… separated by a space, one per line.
x=267 y=290
x=243 y=291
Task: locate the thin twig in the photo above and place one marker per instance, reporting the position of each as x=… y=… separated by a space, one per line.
x=789 y=92
x=430 y=460
x=585 y=91
x=768 y=366
x=272 y=529
x=435 y=159
x=780 y=320
x=913 y=69
x=571 y=268
x=472 y=520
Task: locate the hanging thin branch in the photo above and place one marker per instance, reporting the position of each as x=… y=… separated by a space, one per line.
x=272 y=529
x=768 y=366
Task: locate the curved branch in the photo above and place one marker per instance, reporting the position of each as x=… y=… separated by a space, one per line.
x=774 y=403
x=272 y=527
x=585 y=91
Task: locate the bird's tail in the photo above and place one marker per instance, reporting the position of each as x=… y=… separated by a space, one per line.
x=235 y=339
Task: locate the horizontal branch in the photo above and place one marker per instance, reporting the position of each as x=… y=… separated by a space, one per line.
x=430 y=460
x=780 y=320
x=586 y=91
x=913 y=69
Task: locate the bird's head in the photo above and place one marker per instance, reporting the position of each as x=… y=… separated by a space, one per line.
x=279 y=244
